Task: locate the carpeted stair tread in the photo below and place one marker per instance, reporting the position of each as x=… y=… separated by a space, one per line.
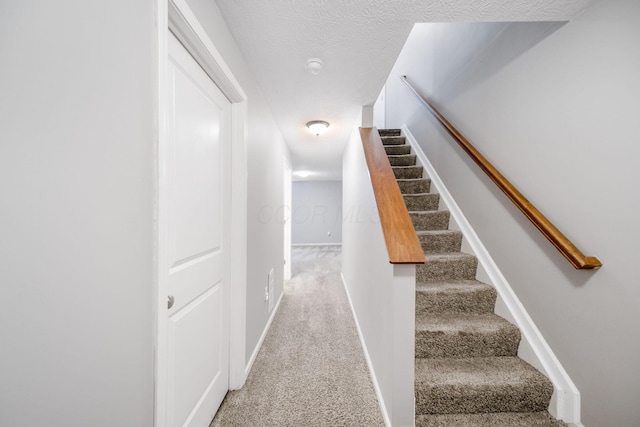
x=497 y=419
x=479 y=384
x=462 y=296
x=402 y=160
x=467 y=372
x=447 y=266
x=397 y=150
x=465 y=335
x=430 y=220
x=393 y=140
x=414 y=186
x=421 y=201
x=407 y=172
x=389 y=132
x=440 y=240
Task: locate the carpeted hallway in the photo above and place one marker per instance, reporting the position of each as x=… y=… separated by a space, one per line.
x=311 y=370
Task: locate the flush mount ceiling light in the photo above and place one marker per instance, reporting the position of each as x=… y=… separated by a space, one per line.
x=317 y=126
x=314 y=65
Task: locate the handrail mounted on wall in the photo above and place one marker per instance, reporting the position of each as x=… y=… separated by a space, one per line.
x=575 y=257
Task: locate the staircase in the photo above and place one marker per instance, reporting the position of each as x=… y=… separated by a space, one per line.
x=467 y=372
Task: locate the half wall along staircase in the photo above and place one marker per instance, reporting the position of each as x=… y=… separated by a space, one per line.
x=467 y=372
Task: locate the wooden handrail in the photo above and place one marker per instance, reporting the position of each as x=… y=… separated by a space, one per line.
x=400 y=237
x=557 y=239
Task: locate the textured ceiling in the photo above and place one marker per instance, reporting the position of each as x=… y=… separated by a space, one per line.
x=359 y=41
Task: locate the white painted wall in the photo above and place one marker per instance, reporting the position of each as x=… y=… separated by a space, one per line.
x=316 y=211
x=77 y=189
x=76 y=209
x=266 y=150
x=382 y=295
x=559 y=116
x=379 y=110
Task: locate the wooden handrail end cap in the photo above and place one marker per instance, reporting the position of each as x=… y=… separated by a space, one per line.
x=591 y=263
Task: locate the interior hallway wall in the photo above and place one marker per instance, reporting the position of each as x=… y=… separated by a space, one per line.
x=316 y=211
x=556 y=109
x=77 y=166
x=76 y=207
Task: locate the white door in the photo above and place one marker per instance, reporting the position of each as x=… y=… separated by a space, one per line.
x=196 y=169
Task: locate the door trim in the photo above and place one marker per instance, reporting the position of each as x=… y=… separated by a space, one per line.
x=176 y=16
x=287 y=216
x=184 y=24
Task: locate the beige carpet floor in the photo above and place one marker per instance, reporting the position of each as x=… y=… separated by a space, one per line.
x=311 y=370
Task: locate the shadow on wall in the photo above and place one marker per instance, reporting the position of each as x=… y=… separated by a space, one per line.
x=482 y=50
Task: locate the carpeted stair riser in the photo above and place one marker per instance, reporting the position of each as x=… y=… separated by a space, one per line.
x=439 y=241
x=454 y=266
x=498 y=419
x=404 y=160
x=479 y=384
x=465 y=335
x=393 y=140
x=397 y=150
x=414 y=186
x=464 y=296
x=389 y=132
x=430 y=220
x=407 y=172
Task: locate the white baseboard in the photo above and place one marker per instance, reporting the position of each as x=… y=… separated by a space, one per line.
x=372 y=373
x=256 y=350
x=566 y=405
x=316 y=244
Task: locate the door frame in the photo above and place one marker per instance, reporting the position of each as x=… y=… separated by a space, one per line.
x=177 y=17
